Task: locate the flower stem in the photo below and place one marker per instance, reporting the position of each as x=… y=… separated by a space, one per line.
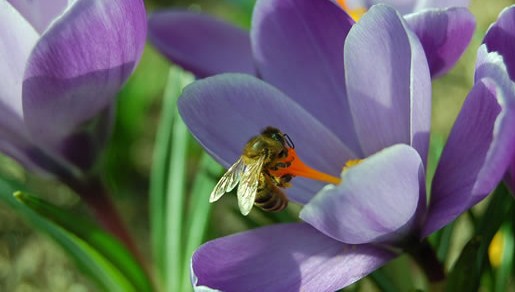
x=93 y=192
x=425 y=256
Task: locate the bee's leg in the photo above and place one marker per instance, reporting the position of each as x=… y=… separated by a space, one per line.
x=284 y=181
x=262 y=197
x=280 y=164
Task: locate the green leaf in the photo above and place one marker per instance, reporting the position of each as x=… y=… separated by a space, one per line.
x=89 y=232
x=473 y=259
x=436 y=145
x=382 y=281
x=464 y=275
x=442 y=241
x=502 y=275
x=198 y=212
x=497 y=212
x=175 y=202
x=167 y=184
x=96 y=253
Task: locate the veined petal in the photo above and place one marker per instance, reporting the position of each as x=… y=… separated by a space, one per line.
x=409 y=6
x=40 y=13
x=477 y=154
x=381 y=199
x=388 y=82
x=444 y=34
x=79 y=64
x=17 y=38
x=298 y=47
x=201 y=44
x=403 y=6
x=500 y=38
x=223 y=112
x=441 y=4
x=284 y=257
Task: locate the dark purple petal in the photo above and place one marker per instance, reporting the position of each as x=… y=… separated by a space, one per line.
x=380 y=199
x=444 y=34
x=298 y=47
x=477 y=154
x=388 y=82
x=500 y=38
x=201 y=44
x=223 y=112
x=40 y=13
x=79 y=64
x=285 y=257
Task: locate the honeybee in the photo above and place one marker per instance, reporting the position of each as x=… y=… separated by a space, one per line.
x=262 y=155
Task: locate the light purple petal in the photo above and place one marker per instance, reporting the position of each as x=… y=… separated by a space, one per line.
x=501 y=38
x=403 y=6
x=477 y=153
x=223 y=112
x=410 y=6
x=17 y=38
x=14 y=140
x=444 y=34
x=16 y=152
x=298 y=46
x=79 y=64
x=428 y=4
x=380 y=199
x=201 y=44
x=285 y=257
x=40 y=13
x=388 y=82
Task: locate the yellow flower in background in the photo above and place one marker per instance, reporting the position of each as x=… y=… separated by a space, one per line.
x=496 y=249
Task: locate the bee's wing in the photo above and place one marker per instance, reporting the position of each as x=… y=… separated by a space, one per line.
x=248 y=187
x=228 y=181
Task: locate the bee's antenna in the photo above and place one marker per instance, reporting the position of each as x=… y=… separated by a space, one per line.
x=289 y=142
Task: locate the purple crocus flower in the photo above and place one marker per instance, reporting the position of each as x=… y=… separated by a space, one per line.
x=62 y=64
x=405 y=6
x=498 y=53
x=444 y=28
x=207 y=46
x=372 y=104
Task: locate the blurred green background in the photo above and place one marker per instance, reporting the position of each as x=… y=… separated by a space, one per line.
x=29 y=261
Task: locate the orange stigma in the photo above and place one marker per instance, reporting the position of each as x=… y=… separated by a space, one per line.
x=298 y=168
x=355 y=13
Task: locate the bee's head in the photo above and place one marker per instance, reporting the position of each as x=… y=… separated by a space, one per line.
x=277 y=135
x=271 y=144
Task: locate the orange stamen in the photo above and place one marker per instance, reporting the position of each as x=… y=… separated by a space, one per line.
x=299 y=168
x=354 y=13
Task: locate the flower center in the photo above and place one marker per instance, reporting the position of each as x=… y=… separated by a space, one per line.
x=293 y=166
x=355 y=13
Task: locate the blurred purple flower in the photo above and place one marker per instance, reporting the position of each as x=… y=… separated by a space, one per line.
x=498 y=62
x=372 y=101
x=62 y=64
x=207 y=46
